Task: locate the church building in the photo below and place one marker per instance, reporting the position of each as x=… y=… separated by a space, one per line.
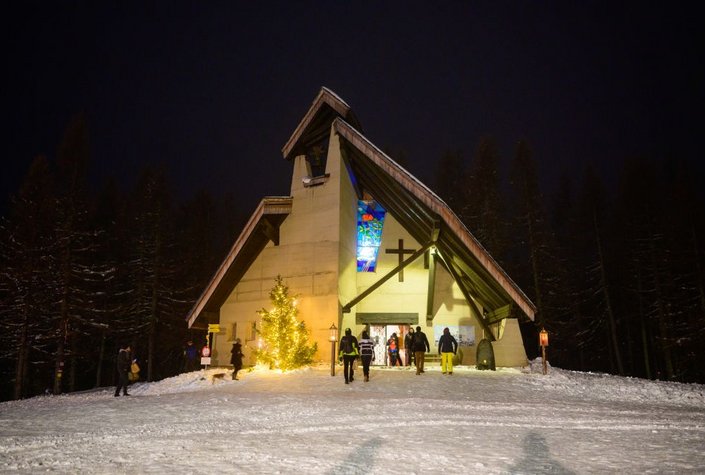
x=364 y=245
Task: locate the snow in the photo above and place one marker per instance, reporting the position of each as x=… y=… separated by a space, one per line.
x=514 y=420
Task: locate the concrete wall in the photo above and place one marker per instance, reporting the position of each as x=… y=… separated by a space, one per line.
x=308 y=258
x=317 y=259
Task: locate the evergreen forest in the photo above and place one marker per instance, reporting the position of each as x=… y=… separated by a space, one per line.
x=617 y=273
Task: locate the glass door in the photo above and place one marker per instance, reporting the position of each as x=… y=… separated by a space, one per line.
x=380 y=334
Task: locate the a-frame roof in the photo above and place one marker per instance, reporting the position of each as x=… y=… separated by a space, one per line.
x=427 y=218
x=418 y=209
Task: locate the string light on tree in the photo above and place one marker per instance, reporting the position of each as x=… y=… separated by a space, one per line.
x=284 y=338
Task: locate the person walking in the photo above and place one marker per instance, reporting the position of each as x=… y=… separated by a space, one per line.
x=124 y=362
x=367 y=353
x=349 y=351
x=236 y=358
x=409 y=347
x=447 y=347
x=190 y=357
x=421 y=346
x=393 y=350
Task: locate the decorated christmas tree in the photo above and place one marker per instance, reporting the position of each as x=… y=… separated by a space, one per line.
x=284 y=338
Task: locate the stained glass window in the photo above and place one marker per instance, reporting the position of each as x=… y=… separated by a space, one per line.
x=370 y=221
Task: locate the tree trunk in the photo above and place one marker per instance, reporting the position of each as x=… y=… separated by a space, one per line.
x=643 y=321
x=59 y=364
x=608 y=301
x=22 y=354
x=73 y=366
x=698 y=270
x=664 y=340
x=101 y=356
x=535 y=270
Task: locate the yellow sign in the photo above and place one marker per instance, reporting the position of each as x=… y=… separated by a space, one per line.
x=213 y=328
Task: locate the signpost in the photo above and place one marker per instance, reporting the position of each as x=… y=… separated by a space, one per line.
x=206 y=350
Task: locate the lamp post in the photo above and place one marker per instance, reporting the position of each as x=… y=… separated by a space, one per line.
x=543 y=342
x=333 y=337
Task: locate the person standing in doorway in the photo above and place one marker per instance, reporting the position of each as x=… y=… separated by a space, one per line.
x=349 y=350
x=367 y=354
x=447 y=347
x=236 y=358
x=393 y=350
x=409 y=347
x=124 y=360
x=421 y=346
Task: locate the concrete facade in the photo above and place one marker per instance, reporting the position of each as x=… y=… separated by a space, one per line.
x=316 y=256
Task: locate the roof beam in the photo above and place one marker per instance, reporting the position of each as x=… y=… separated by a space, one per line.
x=430 y=294
x=500 y=314
x=270 y=231
x=469 y=298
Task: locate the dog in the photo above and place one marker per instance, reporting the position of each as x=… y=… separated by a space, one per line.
x=215 y=376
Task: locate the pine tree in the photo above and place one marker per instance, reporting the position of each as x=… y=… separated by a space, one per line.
x=285 y=337
x=484 y=204
x=451 y=183
x=157 y=302
x=27 y=264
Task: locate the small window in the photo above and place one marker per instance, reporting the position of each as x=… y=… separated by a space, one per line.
x=316 y=160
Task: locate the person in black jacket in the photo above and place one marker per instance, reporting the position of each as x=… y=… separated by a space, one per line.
x=236 y=358
x=421 y=346
x=349 y=351
x=124 y=360
x=447 y=346
x=367 y=353
x=409 y=346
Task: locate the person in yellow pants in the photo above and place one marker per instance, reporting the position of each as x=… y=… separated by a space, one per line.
x=447 y=347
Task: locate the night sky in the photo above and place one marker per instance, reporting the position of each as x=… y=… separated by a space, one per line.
x=214 y=89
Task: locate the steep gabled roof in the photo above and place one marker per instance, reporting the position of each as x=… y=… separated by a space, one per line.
x=315 y=125
x=262 y=227
x=427 y=218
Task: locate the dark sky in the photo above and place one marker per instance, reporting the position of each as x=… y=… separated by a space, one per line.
x=216 y=88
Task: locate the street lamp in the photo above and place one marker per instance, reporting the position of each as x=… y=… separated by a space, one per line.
x=543 y=342
x=333 y=337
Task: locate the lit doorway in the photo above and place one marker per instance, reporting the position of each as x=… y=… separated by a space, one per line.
x=380 y=334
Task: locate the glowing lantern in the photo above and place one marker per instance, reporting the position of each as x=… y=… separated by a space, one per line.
x=543 y=338
x=333 y=337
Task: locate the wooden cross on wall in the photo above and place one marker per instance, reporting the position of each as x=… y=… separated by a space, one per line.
x=401 y=251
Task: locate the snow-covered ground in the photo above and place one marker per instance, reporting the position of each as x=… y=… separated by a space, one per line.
x=508 y=421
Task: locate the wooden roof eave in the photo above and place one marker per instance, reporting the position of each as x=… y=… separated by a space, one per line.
x=437 y=206
x=324 y=97
x=269 y=206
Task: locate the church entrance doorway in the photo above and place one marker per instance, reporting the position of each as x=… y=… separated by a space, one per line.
x=380 y=334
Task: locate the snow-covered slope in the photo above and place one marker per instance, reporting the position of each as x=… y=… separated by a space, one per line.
x=508 y=421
